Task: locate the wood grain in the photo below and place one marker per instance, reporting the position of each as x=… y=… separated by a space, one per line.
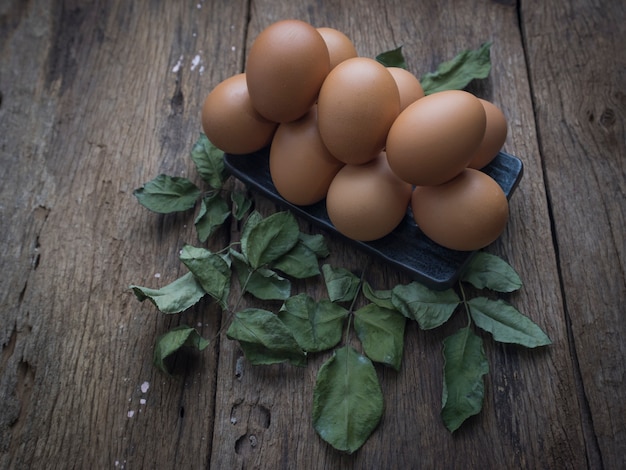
x=583 y=145
x=104 y=109
x=515 y=373
x=110 y=96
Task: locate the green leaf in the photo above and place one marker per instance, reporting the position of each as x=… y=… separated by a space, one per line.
x=166 y=194
x=266 y=284
x=382 y=298
x=347 y=400
x=262 y=283
x=211 y=270
x=341 y=284
x=428 y=307
x=315 y=243
x=457 y=73
x=492 y=272
x=317 y=326
x=270 y=238
x=213 y=213
x=299 y=262
x=175 y=297
x=463 y=385
x=506 y=323
x=209 y=162
x=392 y=58
x=381 y=332
x=264 y=338
x=170 y=342
x=253 y=219
x=241 y=204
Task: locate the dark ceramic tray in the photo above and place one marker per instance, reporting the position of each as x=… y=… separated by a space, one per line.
x=406 y=248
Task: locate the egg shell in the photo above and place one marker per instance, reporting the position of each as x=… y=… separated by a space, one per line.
x=434 y=138
x=495 y=135
x=357 y=105
x=340 y=47
x=366 y=202
x=230 y=121
x=287 y=63
x=300 y=165
x=466 y=213
x=408 y=84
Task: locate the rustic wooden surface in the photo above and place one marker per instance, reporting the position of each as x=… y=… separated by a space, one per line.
x=97 y=98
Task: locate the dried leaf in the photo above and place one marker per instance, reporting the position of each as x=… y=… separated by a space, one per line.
x=463 y=385
x=175 y=297
x=264 y=338
x=170 y=342
x=506 y=323
x=166 y=194
x=347 y=400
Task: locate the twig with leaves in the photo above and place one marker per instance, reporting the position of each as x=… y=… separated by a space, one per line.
x=347 y=396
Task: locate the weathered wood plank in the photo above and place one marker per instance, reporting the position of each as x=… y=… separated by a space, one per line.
x=577 y=66
x=110 y=97
x=263 y=413
x=98 y=98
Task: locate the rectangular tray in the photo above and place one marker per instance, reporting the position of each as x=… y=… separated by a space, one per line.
x=406 y=248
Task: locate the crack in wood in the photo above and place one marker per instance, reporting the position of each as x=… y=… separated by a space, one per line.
x=9 y=347
x=16 y=389
x=20 y=298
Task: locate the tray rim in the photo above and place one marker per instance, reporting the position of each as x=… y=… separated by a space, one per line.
x=232 y=163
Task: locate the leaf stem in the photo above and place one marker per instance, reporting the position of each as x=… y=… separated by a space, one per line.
x=465 y=305
x=348 y=329
x=352 y=304
x=231 y=312
x=228 y=247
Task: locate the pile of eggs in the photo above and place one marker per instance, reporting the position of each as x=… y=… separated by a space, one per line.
x=363 y=137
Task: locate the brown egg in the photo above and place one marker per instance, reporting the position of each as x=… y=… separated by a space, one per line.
x=340 y=47
x=366 y=202
x=467 y=213
x=301 y=166
x=229 y=120
x=494 y=138
x=357 y=104
x=408 y=84
x=434 y=138
x=285 y=69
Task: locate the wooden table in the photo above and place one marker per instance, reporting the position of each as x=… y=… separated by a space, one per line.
x=99 y=97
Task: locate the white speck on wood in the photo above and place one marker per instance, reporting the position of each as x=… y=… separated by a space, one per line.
x=178 y=65
x=195 y=62
x=239 y=367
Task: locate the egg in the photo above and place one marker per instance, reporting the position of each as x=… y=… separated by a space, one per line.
x=357 y=105
x=366 y=202
x=494 y=138
x=434 y=138
x=301 y=167
x=408 y=84
x=466 y=213
x=230 y=121
x=340 y=47
x=287 y=63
